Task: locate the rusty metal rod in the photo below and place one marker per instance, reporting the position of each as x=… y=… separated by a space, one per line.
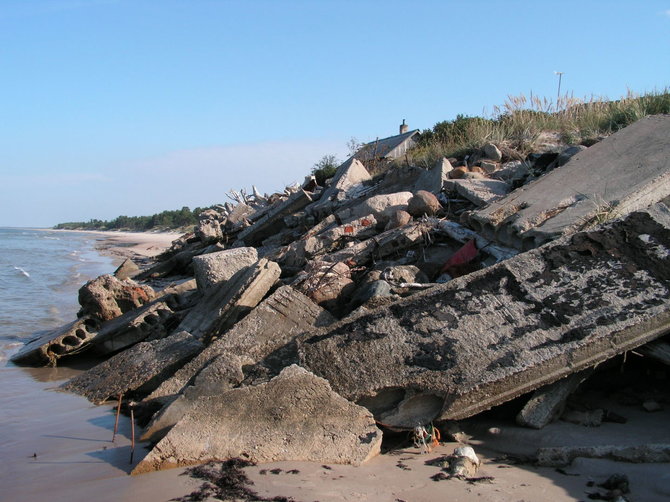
x=116 y=422
x=132 y=433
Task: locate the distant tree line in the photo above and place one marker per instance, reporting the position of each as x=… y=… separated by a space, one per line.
x=165 y=220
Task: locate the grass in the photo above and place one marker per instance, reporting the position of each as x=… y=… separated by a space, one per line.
x=519 y=123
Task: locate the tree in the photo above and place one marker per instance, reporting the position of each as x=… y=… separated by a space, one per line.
x=325 y=168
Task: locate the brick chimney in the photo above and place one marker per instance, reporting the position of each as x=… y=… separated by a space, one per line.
x=403 y=127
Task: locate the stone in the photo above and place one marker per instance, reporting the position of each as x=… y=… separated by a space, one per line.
x=238 y=218
x=492 y=152
x=107 y=297
x=399 y=274
x=547 y=403
x=398 y=219
x=458 y=173
x=370 y=290
x=625 y=172
x=485 y=338
x=488 y=166
x=212 y=268
x=138 y=369
x=224 y=304
x=295 y=416
x=51 y=345
x=126 y=270
x=423 y=203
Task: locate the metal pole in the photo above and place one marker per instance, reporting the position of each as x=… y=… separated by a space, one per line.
x=558 y=94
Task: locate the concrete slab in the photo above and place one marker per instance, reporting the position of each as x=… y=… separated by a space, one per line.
x=490 y=336
x=625 y=172
x=139 y=368
x=295 y=416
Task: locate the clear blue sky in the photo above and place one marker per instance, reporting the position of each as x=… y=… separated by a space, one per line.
x=111 y=107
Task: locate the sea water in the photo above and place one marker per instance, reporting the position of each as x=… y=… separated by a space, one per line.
x=40 y=274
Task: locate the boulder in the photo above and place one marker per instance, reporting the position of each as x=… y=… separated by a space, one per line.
x=423 y=203
x=492 y=152
x=490 y=336
x=398 y=219
x=107 y=297
x=209 y=231
x=138 y=369
x=295 y=416
x=213 y=268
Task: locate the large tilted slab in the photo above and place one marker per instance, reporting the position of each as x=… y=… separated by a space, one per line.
x=226 y=302
x=488 y=337
x=295 y=416
x=625 y=172
x=140 y=368
x=276 y=321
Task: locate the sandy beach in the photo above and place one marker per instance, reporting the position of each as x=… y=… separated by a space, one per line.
x=60 y=449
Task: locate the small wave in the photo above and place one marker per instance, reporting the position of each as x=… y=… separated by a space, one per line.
x=22 y=271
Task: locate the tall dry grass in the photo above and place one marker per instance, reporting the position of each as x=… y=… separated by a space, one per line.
x=519 y=122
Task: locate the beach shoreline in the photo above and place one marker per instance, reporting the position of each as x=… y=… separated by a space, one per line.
x=138 y=246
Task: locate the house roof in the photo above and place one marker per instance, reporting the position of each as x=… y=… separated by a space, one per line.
x=382 y=147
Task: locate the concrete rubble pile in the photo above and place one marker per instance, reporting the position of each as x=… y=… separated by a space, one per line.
x=293 y=326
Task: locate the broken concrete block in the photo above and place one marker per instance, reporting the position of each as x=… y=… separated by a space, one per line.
x=385 y=244
x=277 y=320
x=51 y=345
x=126 y=270
x=295 y=416
x=432 y=180
x=273 y=220
x=625 y=172
x=138 y=369
x=423 y=203
x=209 y=231
x=569 y=153
x=462 y=234
x=587 y=418
x=380 y=206
x=479 y=191
x=107 y=297
x=349 y=174
x=564 y=455
x=223 y=304
x=490 y=336
x=213 y=268
x=149 y=322
x=464 y=462
x=548 y=402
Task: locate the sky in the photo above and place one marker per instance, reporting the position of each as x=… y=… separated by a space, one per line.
x=132 y=107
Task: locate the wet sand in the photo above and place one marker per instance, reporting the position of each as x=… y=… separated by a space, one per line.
x=58 y=447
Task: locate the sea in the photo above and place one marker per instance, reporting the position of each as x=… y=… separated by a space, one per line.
x=40 y=274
